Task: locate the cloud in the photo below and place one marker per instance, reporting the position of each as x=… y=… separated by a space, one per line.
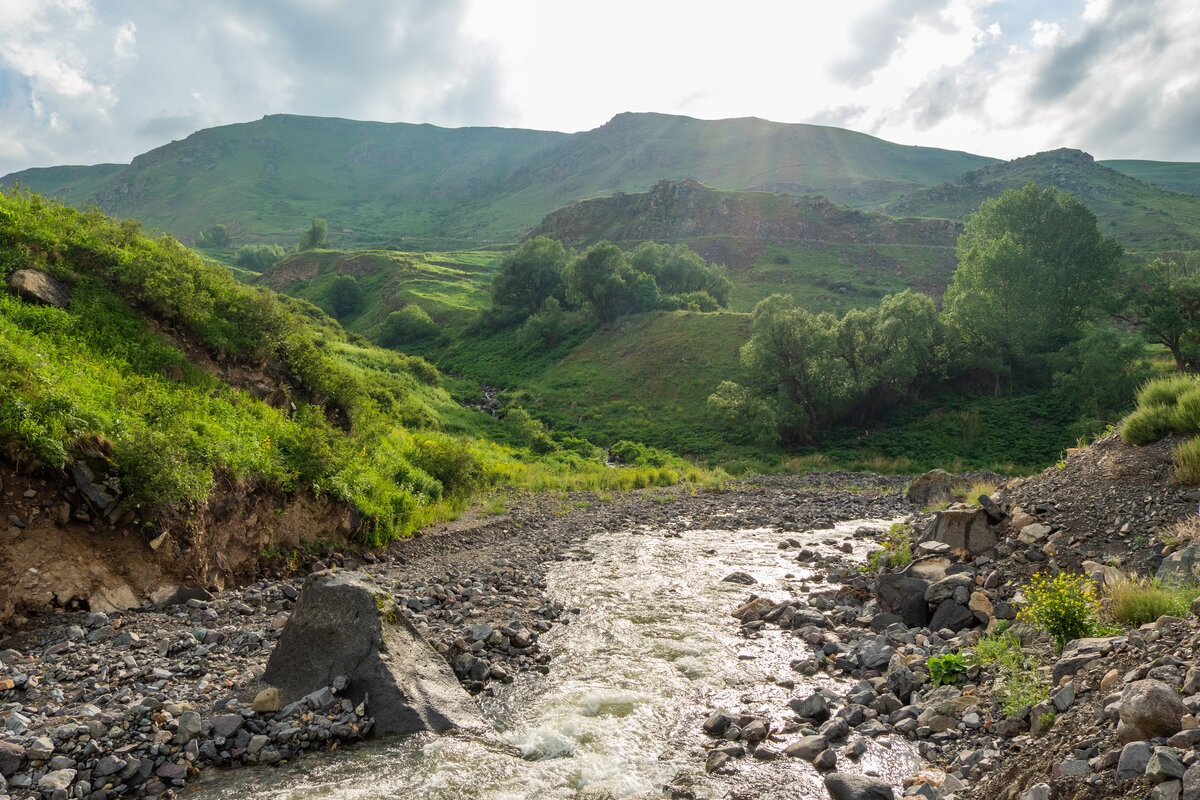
x=880 y=33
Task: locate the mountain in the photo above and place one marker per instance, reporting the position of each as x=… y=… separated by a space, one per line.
x=380 y=183
x=1144 y=217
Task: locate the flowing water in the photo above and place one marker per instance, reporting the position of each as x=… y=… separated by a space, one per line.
x=650 y=653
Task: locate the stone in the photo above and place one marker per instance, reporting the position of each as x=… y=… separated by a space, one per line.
x=715 y=761
x=848 y=786
x=109 y=765
x=1164 y=765
x=38 y=287
x=935 y=486
x=900 y=679
x=814 y=707
x=905 y=596
x=1134 y=758
x=981 y=605
x=1148 y=709
x=739 y=577
x=952 y=615
x=945 y=588
x=1191 y=783
x=266 y=701
x=1063 y=697
x=56 y=779
x=1032 y=534
x=964 y=529
x=1039 y=791
x=189 y=727
x=990 y=507
x=344 y=624
x=12 y=757
x=98 y=494
x=41 y=749
x=825 y=761
x=807 y=747
x=1168 y=790
x=1180 y=567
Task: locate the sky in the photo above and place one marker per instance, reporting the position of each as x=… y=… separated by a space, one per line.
x=91 y=81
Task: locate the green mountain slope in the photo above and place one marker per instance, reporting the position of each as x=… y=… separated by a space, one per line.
x=380 y=183
x=1179 y=176
x=1145 y=218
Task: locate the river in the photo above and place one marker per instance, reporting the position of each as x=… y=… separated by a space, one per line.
x=649 y=654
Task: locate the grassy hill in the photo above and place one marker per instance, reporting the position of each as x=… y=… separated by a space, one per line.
x=1179 y=176
x=172 y=380
x=409 y=185
x=1144 y=217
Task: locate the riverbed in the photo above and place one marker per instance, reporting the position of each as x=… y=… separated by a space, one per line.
x=646 y=651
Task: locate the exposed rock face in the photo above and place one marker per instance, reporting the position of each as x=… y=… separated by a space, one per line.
x=38 y=287
x=1149 y=708
x=345 y=626
x=965 y=529
x=932 y=487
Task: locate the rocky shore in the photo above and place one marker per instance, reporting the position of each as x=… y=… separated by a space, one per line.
x=136 y=703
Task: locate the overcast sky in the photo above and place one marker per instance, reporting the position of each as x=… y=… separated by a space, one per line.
x=83 y=82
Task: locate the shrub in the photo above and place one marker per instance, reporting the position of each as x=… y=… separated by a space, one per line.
x=1146 y=424
x=408 y=324
x=1063 y=605
x=1000 y=649
x=1136 y=602
x=1165 y=391
x=946 y=668
x=528 y=431
x=1185 y=415
x=1184 y=531
x=1187 y=461
x=896 y=544
x=638 y=454
x=453 y=463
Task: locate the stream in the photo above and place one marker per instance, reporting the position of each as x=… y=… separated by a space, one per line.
x=649 y=654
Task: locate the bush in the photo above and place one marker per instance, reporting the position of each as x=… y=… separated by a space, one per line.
x=1136 y=602
x=1147 y=424
x=528 y=431
x=410 y=323
x=1187 y=461
x=638 y=454
x=1185 y=415
x=1165 y=391
x=1063 y=605
x=453 y=463
x=896 y=544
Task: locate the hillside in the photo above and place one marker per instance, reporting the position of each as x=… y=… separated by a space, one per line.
x=167 y=424
x=1144 y=217
x=380 y=184
x=1179 y=176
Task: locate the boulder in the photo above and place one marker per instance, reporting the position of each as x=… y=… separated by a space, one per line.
x=38 y=287
x=1149 y=709
x=1032 y=534
x=848 y=786
x=899 y=594
x=345 y=625
x=1182 y=566
x=964 y=529
x=933 y=487
x=952 y=615
x=944 y=589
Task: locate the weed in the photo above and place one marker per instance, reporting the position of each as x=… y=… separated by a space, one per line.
x=1046 y=720
x=946 y=668
x=1141 y=600
x=1063 y=605
x=1187 y=461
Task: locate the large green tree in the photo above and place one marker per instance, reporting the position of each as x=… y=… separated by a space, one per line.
x=1033 y=269
x=603 y=278
x=680 y=270
x=316 y=237
x=528 y=277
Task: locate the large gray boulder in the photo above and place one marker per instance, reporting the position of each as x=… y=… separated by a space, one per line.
x=1148 y=709
x=905 y=596
x=933 y=487
x=1182 y=566
x=38 y=287
x=849 y=786
x=344 y=625
x=966 y=530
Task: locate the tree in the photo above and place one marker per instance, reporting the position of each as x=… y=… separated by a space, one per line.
x=408 y=324
x=317 y=236
x=259 y=258
x=216 y=236
x=681 y=270
x=345 y=296
x=1162 y=300
x=602 y=277
x=529 y=276
x=1033 y=270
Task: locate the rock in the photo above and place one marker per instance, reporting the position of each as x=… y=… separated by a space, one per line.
x=109 y=765
x=12 y=757
x=1191 y=783
x=1168 y=790
x=807 y=747
x=226 y=725
x=930 y=568
x=343 y=624
x=952 y=615
x=1164 y=765
x=1149 y=708
x=945 y=588
x=41 y=749
x=1078 y=653
x=848 y=786
x=57 y=779
x=965 y=530
x=933 y=487
x=189 y=727
x=1032 y=534
x=38 y=287
x=1039 y=791
x=826 y=761
x=739 y=577
x=715 y=761
x=1133 y=760
x=900 y=679
x=1180 y=567
x=98 y=494
x=814 y=707
x=873 y=652
x=899 y=594
x=266 y=701
x=994 y=513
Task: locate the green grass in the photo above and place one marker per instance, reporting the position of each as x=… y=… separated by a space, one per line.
x=1141 y=600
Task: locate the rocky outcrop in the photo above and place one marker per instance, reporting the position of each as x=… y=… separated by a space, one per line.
x=38 y=287
x=347 y=630
x=932 y=487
